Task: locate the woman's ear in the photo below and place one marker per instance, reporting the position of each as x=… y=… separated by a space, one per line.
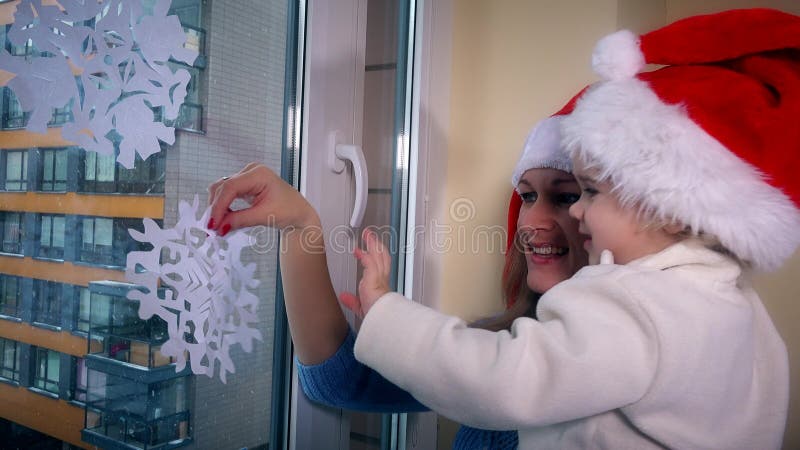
x=676 y=228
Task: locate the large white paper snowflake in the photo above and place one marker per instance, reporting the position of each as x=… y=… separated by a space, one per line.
x=198 y=284
x=119 y=50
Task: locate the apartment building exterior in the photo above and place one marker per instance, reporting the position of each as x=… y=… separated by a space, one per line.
x=77 y=363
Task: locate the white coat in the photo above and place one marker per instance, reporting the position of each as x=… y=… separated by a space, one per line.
x=671 y=350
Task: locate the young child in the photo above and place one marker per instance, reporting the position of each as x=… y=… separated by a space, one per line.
x=689 y=180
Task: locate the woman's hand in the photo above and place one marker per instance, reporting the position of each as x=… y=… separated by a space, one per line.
x=273 y=202
x=377 y=264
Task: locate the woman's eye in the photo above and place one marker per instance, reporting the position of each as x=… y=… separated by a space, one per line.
x=589 y=192
x=568 y=198
x=529 y=197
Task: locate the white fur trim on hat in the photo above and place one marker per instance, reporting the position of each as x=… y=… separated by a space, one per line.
x=542 y=150
x=664 y=164
x=618 y=56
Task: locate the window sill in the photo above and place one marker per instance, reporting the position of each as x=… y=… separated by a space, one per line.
x=13 y=255
x=45 y=258
x=99 y=265
x=121 y=194
x=10 y=318
x=9 y=382
x=42 y=392
x=79 y=333
x=46 y=326
x=77 y=403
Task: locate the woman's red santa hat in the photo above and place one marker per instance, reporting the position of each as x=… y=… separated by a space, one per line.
x=711 y=141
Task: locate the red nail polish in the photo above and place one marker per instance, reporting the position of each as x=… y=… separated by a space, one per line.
x=211 y=223
x=225 y=229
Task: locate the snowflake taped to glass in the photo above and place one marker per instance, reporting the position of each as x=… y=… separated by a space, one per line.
x=106 y=61
x=197 y=283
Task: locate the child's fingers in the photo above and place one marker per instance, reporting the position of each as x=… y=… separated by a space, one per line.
x=352 y=303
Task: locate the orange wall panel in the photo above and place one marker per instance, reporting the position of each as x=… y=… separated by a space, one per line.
x=37 y=412
x=63 y=272
x=83 y=204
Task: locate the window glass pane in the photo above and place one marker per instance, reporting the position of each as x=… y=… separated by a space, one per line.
x=105 y=167
x=48 y=161
x=46 y=230
x=233 y=114
x=82 y=319
x=90 y=165
x=88 y=231
x=12 y=232
x=103 y=231
x=58 y=231
x=16 y=170
x=14 y=167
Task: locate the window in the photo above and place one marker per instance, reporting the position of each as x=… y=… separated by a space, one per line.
x=99 y=233
x=98 y=236
x=51 y=236
x=48 y=367
x=13 y=116
x=24 y=49
x=77 y=391
x=9 y=360
x=81 y=378
x=82 y=318
x=98 y=172
x=47 y=302
x=11 y=223
x=61 y=115
x=16 y=170
x=10 y=295
x=101 y=174
x=53 y=170
x=143 y=415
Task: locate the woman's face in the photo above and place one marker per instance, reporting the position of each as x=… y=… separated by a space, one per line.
x=550 y=240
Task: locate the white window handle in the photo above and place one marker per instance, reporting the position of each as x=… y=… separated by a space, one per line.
x=353 y=153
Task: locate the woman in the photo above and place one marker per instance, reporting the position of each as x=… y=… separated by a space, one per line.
x=545 y=248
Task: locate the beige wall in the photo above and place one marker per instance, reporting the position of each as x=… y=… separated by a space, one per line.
x=513 y=63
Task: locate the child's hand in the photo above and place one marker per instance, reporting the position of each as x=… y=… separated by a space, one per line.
x=374 y=282
x=273 y=202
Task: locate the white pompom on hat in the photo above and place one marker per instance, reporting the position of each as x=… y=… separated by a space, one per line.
x=712 y=140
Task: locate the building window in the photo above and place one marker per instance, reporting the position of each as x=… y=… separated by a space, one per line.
x=101 y=174
x=16 y=162
x=11 y=223
x=13 y=115
x=61 y=115
x=82 y=317
x=25 y=49
x=98 y=237
x=53 y=170
x=81 y=377
x=146 y=415
x=10 y=295
x=51 y=236
x=106 y=241
x=47 y=302
x=48 y=367
x=9 y=362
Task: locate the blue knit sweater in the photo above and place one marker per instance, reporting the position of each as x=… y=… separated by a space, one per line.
x=343 y=382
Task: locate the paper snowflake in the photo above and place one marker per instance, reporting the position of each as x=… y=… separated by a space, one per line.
x=196 y=282
x=119 y=50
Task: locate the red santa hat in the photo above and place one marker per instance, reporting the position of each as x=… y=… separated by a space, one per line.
x=542 y=150
x=712 y=140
